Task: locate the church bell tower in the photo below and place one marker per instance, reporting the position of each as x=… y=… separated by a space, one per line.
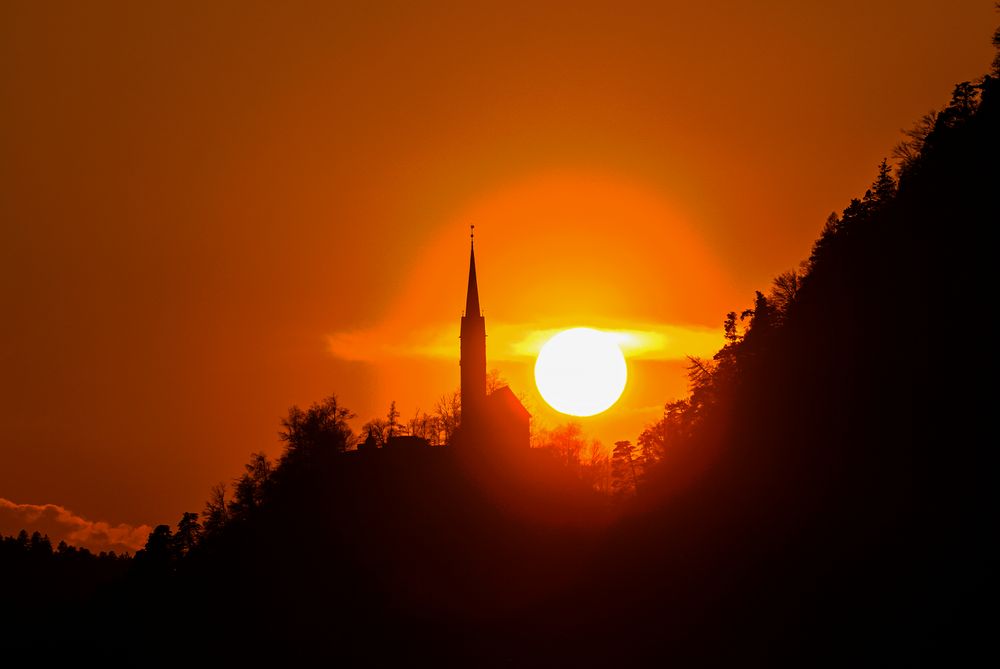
x=473 y=360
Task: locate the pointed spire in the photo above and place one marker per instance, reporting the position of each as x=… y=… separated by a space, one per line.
x=472 y=298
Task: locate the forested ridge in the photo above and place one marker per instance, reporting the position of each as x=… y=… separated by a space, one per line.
x=821 y=493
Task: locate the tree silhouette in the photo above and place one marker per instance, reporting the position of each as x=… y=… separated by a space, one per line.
x=156 y=559
x=448 y=411
x=624 y=478
x=392 y=421
x=784 y=290
x=376 y=432
x=250 y=489
x=187 y=535
x=566 y=442
x=425 y=426
x=40 y=545
x=216 y=509
x=322 y=427
x=494 y=381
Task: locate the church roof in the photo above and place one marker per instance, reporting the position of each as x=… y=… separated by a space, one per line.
x=505 y=397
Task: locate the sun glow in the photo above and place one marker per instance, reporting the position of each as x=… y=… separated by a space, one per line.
x=581 y=372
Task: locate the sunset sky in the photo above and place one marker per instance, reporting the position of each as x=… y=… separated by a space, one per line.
x=211 y=213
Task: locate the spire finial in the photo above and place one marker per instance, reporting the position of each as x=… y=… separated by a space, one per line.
x=472 y=233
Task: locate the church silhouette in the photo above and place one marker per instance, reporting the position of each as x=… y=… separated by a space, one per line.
x=489 y=419
x=492 y=422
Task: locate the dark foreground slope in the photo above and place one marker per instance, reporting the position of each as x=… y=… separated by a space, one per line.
x=841 y=504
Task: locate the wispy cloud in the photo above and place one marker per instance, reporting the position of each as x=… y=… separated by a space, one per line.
x=509 y=341
x=61 y=524
x=649 y=341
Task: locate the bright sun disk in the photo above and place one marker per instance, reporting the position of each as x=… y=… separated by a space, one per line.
x=581 y=372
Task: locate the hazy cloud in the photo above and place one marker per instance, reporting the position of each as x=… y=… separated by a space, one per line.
x=652 y=341
x=61 y=524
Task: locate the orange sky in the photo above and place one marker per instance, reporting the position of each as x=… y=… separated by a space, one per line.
x=212 y=213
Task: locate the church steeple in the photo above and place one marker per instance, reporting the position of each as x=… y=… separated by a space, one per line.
x=473 y=350
x=472 y=297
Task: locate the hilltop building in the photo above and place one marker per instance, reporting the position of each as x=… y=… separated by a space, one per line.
x=496 y=419
x=492 y=422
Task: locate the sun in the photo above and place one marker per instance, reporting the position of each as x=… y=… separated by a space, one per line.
x=581 y=372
